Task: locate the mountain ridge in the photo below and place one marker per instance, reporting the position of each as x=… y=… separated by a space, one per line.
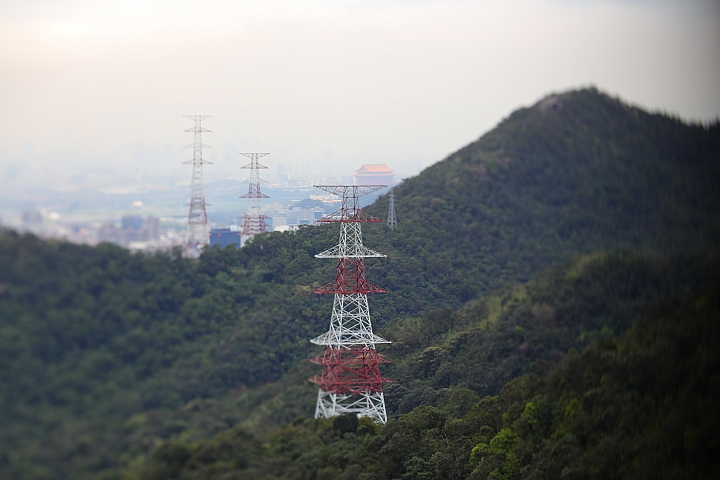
x=545 y=185
x=106 y=354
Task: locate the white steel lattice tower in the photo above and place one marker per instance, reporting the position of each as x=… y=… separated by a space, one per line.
x=391 y=222
x=254 y=220
x=197 y=234
x=350 y=381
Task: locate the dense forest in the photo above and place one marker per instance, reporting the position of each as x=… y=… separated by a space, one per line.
x=641 y=405
x=580 y=224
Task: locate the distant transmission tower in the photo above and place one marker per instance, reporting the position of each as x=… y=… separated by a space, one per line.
x=391 y=222
x=197 y=234
x=350 y=381
x=254 y=220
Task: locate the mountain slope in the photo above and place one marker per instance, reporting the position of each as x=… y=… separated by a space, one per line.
x=575 y=173
x=637 y=406
x=103 y=353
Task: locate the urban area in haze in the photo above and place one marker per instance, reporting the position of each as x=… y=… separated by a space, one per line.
x=153 y=218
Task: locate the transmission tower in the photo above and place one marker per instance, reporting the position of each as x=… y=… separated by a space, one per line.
x=197 y=234
x=254 y=220
x=350 y=381
x=391 y=222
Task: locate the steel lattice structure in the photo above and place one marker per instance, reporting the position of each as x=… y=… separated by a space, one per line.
x=391 y=222
x=254 y=220
x=197 y=234
x=350 y=381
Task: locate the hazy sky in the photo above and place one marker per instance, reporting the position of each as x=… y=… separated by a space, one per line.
x=102 y=85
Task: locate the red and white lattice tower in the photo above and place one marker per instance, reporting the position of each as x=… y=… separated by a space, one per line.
x=197 y=234
x=254 y=220
x=350 y=381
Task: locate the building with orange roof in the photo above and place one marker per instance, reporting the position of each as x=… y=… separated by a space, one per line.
x=374 y=174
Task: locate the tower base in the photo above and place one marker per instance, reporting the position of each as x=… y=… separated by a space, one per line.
x=193 y=250
x=370 y=404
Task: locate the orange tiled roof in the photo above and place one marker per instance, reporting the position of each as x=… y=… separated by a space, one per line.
x=374 y=168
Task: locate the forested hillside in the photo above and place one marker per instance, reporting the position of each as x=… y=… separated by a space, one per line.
x=576 y=173
x=106 y=355
x=639 y=406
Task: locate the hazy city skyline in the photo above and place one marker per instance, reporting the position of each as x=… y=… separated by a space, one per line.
x=91 y=87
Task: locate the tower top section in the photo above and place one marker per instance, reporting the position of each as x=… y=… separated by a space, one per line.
x=254 y=164
x=197 y=119
x=197 y=145
x=350 y=211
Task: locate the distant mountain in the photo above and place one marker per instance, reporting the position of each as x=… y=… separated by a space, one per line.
x=105 y=354
x=575 y=173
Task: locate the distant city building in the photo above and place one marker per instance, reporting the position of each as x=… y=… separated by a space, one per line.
x=132 y=229
x=32 y=217
x=292 y=217
x=374 y=174
x=132 y=221
x=280 y=219
x=300 y=216
x=223 y=237
x=151 y=228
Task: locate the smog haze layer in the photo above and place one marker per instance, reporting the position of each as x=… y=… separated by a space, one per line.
x=94 y=93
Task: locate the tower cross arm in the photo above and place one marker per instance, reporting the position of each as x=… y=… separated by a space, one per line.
x=349 y=215
x=350 y=190
x=350 y=251
x=201 y=161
